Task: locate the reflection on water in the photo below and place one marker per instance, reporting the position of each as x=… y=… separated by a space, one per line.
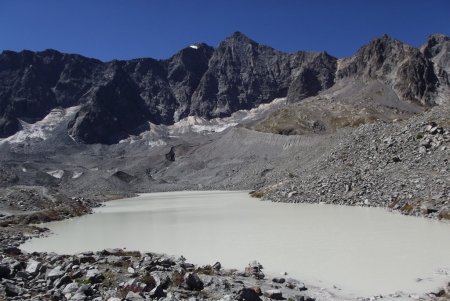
x=363 y=251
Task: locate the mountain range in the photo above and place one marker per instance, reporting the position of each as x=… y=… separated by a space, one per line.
x=118 y=99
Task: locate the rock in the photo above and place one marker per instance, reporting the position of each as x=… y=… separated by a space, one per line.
x=119 y=98
x=428 y=207
x=217 y=266
x=396 y=159
x=254 y=269
x=70 y=288
x=5 y=272
x=132 y=296
x=55 y=273
x=193 y=282
x=80 y=296
x=274 y=294
x=33 y=267
x=23 y=275
x=62 y=281
x=439 y=293
x=301 y=286
x=279 y=280
x=248 y=294
x=157 y=292
x=12 y=290
x=114 y=299
x=13 y=251
x=94 y=276
x=170 y=156
x=86 y=289
x=292 y=193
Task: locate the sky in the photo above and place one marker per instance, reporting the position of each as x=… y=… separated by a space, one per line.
x=125 y=29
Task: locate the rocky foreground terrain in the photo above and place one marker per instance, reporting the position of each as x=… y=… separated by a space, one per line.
x=369 y=130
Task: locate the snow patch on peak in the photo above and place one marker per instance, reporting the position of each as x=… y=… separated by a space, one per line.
x=194 y=46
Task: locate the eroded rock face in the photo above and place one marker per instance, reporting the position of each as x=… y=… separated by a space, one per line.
x=120 y=98
x=114 y=111
x=403 y=67
x=243 y=74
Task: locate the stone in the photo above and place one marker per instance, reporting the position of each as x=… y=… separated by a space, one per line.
x=131 y=270
x=23 y=275
x=301 y=286
x=248 y=294
x=55 y=273
x=274 y=294
x=33 y=267
x=12 y=290
x=292 y=193
x=279 y=280
x=62 y=281
x=217 y=266
x=5 y=272
x=80 y=296
x=94 y=276
x=132 y=296
x=428 y=207
x=13 y=251
x=70 y=288
x=396 y=159
x=157 y=292
x=193 y=282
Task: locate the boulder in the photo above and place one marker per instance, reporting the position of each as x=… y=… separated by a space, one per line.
x=5 y=272
x=248 y=294
x=33 y=267
x=94 y=276
x=274 y=294
x=62 y=281
x=132 y=296
x=12 y=290
x=70 y=288
x=80 y=296
x=279 y=280
x=193 y=282
x=157 y=292
x=217 y=266
x=55 y=273
x=13 y=251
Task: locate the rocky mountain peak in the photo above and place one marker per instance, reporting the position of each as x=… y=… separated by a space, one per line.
x=437 y=49
x=399 y=65
x=239 y=37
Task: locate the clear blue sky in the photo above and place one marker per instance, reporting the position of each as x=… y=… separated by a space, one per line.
x=109 y=29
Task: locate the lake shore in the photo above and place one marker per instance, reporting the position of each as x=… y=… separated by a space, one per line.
x=15 y=233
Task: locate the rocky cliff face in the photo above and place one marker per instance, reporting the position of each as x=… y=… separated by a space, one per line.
x=409 y=72
x=243 y=74
x=120 y=98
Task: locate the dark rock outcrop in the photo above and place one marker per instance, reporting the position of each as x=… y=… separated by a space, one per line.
x=437 y=49
x=243 y=74
x=401 y=66
x=119 y=98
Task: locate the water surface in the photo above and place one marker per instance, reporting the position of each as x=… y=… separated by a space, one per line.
x=363 y=251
